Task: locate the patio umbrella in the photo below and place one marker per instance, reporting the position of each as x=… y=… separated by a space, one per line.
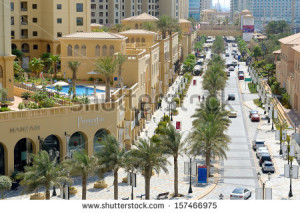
x=95 y=90
x=61 y=83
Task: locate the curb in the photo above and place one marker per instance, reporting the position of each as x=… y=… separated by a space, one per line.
x=212 y=187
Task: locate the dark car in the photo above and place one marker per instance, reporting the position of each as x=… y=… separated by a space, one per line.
x=240 y=72
x=231 y=97
x=252 y=112
x=202 y=56
x=263 y=158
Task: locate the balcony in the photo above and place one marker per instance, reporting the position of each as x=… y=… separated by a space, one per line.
x=24 y=6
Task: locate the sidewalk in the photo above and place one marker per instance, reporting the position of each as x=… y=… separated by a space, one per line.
x=159 y=183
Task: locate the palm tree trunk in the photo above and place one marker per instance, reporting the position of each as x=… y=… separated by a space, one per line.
x=116 y=184
x=47 y=192
x=120 y=78
x=107 y=90
x=74 y=84
x=55 y=70
x=84 y=182
x=148 y=172
x=207 y=159
x=175 y=177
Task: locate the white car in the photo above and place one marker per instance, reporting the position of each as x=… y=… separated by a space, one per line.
x=240 y=194
x=261 y=150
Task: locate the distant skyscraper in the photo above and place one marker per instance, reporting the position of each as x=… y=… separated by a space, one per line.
x=195 y=9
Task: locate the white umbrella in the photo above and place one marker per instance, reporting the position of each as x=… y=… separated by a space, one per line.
x=93 y=73
x=61 y=83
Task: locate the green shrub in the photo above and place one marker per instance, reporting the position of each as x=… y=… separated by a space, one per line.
x=5 y=185
x=47 y=103
x=177 y=100
x=4 y=109
x=166 y=118
x=26 y=95
x=21 y=106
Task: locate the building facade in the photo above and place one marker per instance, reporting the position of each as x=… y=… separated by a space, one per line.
x=37 y=25
x=194 y=9
x=112 y=12
x=6 y=58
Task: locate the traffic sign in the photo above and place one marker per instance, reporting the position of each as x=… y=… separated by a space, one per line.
x=248 y=79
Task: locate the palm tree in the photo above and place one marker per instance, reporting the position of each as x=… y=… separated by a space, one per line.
x=163 y=25
x=172 y=143
x=73 y=66
x=107 y=67
x=148 y=156
x=111 y=157
x=83 y=164
x=44 y=172
x=173 y=26
x=55 y=59
x=213 y=82
x=148 y=25
x=120 y=60
x=19 y=55
x=36 y=65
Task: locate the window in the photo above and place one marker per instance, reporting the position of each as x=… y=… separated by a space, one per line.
x=34 y=6
x=79 y=21
x=34 y=20
x=79 y=7
x=12 y=34
x=83 y=50
x=59 y=34
x=12 y=6
x=97 y=50
x=111 y=50
x=76 y=50
x=35 y=47
x=59 y=21
x=70 y=50
x=12 y=20
x=34 y=33
x=104 y=50
x=58 y=6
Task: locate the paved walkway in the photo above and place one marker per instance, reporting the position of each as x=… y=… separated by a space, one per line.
x=159 y=183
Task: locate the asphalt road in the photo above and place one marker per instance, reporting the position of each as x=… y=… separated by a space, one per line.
x=238 y=170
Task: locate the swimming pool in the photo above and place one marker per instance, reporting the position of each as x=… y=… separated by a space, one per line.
x=80 y=90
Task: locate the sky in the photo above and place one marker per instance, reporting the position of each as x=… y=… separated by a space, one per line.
x=223 y=3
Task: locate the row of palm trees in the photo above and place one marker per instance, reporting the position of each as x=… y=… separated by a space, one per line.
x=208 y=138
x=148 y=156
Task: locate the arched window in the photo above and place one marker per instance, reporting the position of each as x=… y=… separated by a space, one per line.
x=138 y=40
x=25 y=48
x=58 y=50
x=111 y=50
x=70 y=50
x=136 y=26
x=143 y=40
x=127 y=40
x=13 y=46
x=76 y=50
x=48 y=48
x=83 y=50
x=97 y=50
x=132 y=40
x=104 y=50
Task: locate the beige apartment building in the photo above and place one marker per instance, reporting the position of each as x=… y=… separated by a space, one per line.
x=37 y=25
x=136 y=22
x=288 y=68
x=114 y=11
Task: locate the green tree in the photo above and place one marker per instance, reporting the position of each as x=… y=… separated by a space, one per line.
x=148 y=156
x=277 y=27
x=45 y=57
x=55 y=59
x=18 y=70
x=218 y=46
x=83 y=164
x=111 y=157
x=36 y=66
x=148 y=25
x=120 y=61
x=73 y=66
x=107 y=67
x=257 y=52
x=5 y=185
x=163 y=25
x=3 y=94
x=193 y=22
x=214 y=79
x=19 y=55
x=173 y=145
x=44 y=172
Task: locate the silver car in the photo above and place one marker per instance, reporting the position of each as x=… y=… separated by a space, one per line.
x=240 y=194
x=268 y=166
x=262 y=150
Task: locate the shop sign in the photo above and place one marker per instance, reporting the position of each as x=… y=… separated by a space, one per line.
x=83 y=123
x=24 y=129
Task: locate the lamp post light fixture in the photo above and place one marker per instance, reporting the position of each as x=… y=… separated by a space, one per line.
x=263 y=183
x=190 y=188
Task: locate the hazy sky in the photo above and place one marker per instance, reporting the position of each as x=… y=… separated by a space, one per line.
x=223 y=3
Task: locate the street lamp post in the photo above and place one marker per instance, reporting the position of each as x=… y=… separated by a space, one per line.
x=190 y=189
x=263 y=183
x=291 y=168
x=280 y=150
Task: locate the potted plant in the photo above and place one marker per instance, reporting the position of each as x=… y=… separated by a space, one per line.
x=3 y=95
x=5 y=185
x=101 y=184
x=25 y=96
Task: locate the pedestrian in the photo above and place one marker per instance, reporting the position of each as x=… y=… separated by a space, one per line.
x=199 y=97
x=203 y=98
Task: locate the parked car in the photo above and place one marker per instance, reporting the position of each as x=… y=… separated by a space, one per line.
x=241 y=76
x=226 y=54
x=252 y=112
x=263 y=158
x=200 y=62
x=240 y=194
x=233 y=45
x=203 y=56
x=228 y=74
x=232 y=114
x=231 y=97
x=241 y=72
x=256 y=144
x=261 y=150
x=231 y=68
x=255 y=117
x=234 y=63
x=268 y=166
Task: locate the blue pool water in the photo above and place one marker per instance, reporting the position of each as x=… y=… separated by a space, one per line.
x=80 y=90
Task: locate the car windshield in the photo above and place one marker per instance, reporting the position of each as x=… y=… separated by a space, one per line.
x=238 y=191
x=254 y=112
x=259 y=142
x=268 y=164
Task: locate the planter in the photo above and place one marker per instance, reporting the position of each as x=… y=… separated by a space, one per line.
x=124 y=180
x=100 y=184
x=175 y=113
x=38 y=196
x=26 y=101
x=73 y=190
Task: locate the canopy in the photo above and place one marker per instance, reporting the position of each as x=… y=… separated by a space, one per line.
x=61 y=83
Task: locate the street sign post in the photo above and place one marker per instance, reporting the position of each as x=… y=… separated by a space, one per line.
x=202 y=174
x=248 y=79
